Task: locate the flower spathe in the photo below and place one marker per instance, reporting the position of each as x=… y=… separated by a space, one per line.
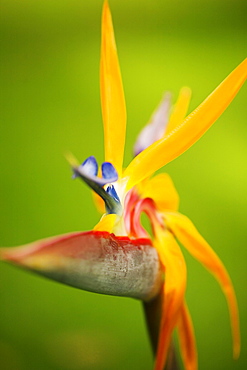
x=144 y=266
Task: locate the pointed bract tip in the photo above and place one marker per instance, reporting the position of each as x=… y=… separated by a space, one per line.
x=3 y=254
x=13 y=255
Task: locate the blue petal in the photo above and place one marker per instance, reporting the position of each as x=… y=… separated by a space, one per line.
x=88 y=171
x=109 y=172
x=112 y=192
x=90 y=166
x=112 y=204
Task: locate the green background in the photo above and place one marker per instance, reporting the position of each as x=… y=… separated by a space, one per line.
x=49 y=104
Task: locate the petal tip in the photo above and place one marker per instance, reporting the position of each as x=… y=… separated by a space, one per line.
x=236 y=350
x=71 y=159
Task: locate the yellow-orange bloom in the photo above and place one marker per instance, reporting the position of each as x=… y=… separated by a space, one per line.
x=119 y=256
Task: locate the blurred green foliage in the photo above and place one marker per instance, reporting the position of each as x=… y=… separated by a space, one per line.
x=49 y=104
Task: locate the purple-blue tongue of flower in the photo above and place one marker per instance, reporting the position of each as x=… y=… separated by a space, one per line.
x=88 y=172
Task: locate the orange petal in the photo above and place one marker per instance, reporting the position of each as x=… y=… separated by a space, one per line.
x=174 y=290
x=112 y=95
x=107 y=223
x=98 y=201
x=188 y=132
x=187 y=340
x=180 y=109
x=95 y=261
x=161 y=189
x=187 y=234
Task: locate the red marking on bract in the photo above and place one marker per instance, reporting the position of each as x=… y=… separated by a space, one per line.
x=82 y=245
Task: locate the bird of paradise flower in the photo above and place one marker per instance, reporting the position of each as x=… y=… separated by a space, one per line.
x=119 y=257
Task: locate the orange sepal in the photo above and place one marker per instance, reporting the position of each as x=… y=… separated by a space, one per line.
x=161 y=189
x=112 y=94
x=187 y=339
x=174 y=290
x=188 y=132
x=187 y=234
x=99 y=203
x=180 y=109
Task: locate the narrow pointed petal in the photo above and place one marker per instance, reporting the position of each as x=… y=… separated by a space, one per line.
x=187 y=340
x=174 y=290
x=180 y=109
x=155 y=129
x=161 y=189
x=189 y=131
x=187 y=234
x=112 y=95
x=95 y=261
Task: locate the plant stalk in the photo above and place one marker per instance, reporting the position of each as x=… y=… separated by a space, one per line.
x=153 y=312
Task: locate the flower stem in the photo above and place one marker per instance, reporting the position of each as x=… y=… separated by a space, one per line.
x=153 y=310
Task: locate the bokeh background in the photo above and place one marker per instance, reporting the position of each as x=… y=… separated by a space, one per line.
x=49 y=104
